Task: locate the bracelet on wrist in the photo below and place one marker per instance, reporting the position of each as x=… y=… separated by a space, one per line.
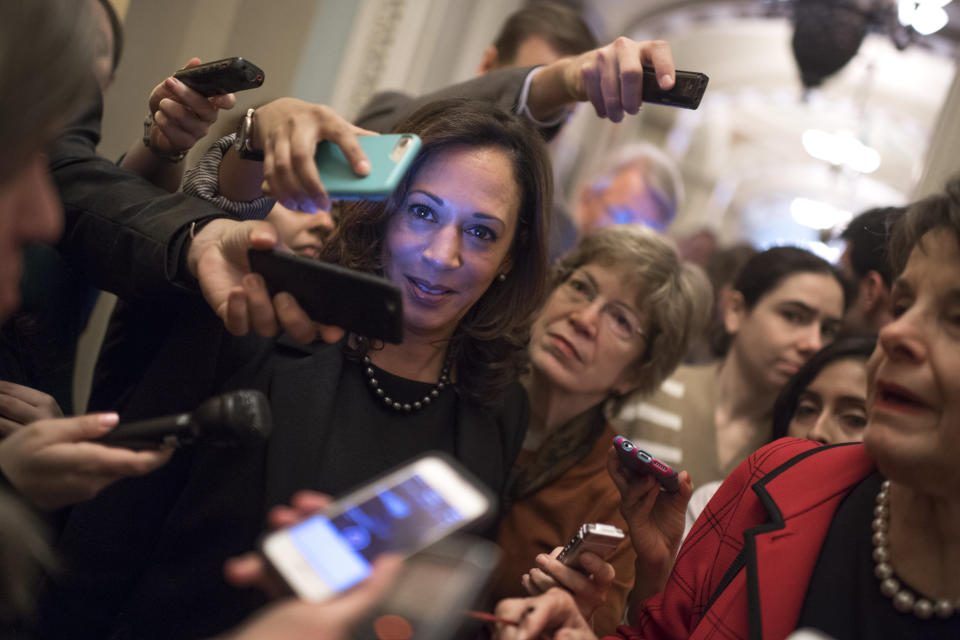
x=245 y=138
x=172 y=157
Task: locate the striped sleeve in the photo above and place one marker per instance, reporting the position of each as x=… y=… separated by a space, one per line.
x=202 y=181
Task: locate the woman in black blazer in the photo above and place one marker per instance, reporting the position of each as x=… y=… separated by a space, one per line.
x=464 y=237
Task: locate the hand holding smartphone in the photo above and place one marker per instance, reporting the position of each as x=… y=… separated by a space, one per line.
x=597 y=538
x=643 y=464
x=402 y=512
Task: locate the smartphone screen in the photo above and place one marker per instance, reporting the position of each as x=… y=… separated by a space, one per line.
x=402 y=514
x=341 y=549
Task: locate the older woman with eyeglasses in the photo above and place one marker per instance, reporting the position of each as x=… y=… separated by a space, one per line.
x=621 y=312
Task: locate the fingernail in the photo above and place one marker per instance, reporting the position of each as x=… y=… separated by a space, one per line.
x=363 y=166
x=107 y=420
x=283 y=299
x=541 y=558
x=666 y=79
x=173 y=83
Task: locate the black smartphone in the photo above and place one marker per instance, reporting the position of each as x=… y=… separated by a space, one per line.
x=435 y=587
x=686 y=93
x=597 y=538
x=642 y=463
x=221 y=76
x=362 y=303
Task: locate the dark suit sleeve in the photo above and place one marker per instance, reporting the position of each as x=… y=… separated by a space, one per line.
x=125 y=234
x=386 y=110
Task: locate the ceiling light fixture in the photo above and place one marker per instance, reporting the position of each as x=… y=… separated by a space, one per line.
x=818 y=215
x=842 y=149
x=925 y=16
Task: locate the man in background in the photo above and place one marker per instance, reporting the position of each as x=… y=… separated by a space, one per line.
x=636 y=184
x=864 y=262
x=537 y=34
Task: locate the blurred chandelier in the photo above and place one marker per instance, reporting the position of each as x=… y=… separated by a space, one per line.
x=828 y=33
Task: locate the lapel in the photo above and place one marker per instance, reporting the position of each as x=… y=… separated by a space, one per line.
x=800 y=499
x=302 y=393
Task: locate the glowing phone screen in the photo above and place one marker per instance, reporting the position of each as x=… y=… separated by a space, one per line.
x=401 y=518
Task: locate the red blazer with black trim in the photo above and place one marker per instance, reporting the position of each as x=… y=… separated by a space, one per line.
x=744 y=568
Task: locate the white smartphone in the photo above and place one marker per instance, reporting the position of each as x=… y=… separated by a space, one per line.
x=598 y=538
x=400 y=512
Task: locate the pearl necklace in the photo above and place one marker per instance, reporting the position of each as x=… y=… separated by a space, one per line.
x=904 y=600
x=406 y=407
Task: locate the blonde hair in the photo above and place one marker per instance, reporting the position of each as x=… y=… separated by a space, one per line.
x=674 y=296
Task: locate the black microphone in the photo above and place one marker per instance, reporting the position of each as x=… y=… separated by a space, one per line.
x=235 y=419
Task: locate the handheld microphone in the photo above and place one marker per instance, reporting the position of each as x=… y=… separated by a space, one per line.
x=235 y=419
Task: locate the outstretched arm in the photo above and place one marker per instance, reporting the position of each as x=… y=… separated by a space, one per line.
x=178 y=118
x=610 y=78
x=287 y=130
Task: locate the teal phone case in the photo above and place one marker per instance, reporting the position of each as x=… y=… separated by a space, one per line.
x=390 y=155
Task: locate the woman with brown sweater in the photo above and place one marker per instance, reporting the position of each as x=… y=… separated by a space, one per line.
x=620 y=315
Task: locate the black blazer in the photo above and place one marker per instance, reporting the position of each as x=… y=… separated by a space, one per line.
x=501 y=87
x=126 y=235
x=146 y=556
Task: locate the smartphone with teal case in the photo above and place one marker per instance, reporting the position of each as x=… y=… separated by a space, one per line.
x=390 y=155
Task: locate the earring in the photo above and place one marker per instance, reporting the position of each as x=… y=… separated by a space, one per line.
x=502 y=277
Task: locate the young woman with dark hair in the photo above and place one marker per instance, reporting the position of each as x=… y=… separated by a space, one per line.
x=826 y=399
x=785 y=305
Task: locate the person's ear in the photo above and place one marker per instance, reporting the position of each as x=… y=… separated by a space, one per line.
x=873 y=292
x=505 y=266
x=734 y=310
x=627 y=384
x=489 y=61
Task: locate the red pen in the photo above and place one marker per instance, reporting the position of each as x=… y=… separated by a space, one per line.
x=489 y=617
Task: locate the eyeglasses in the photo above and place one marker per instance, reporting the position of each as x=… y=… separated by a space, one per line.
x=620 y=320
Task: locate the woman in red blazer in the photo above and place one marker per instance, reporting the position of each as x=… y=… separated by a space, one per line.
x=852 y=540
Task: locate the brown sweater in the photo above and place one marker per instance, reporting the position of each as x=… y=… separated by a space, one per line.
x=549 y=517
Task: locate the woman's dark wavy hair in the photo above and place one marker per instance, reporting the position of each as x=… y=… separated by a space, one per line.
x=840 y=349
x=938 y=211
x=764 y=272
x=488 y=348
